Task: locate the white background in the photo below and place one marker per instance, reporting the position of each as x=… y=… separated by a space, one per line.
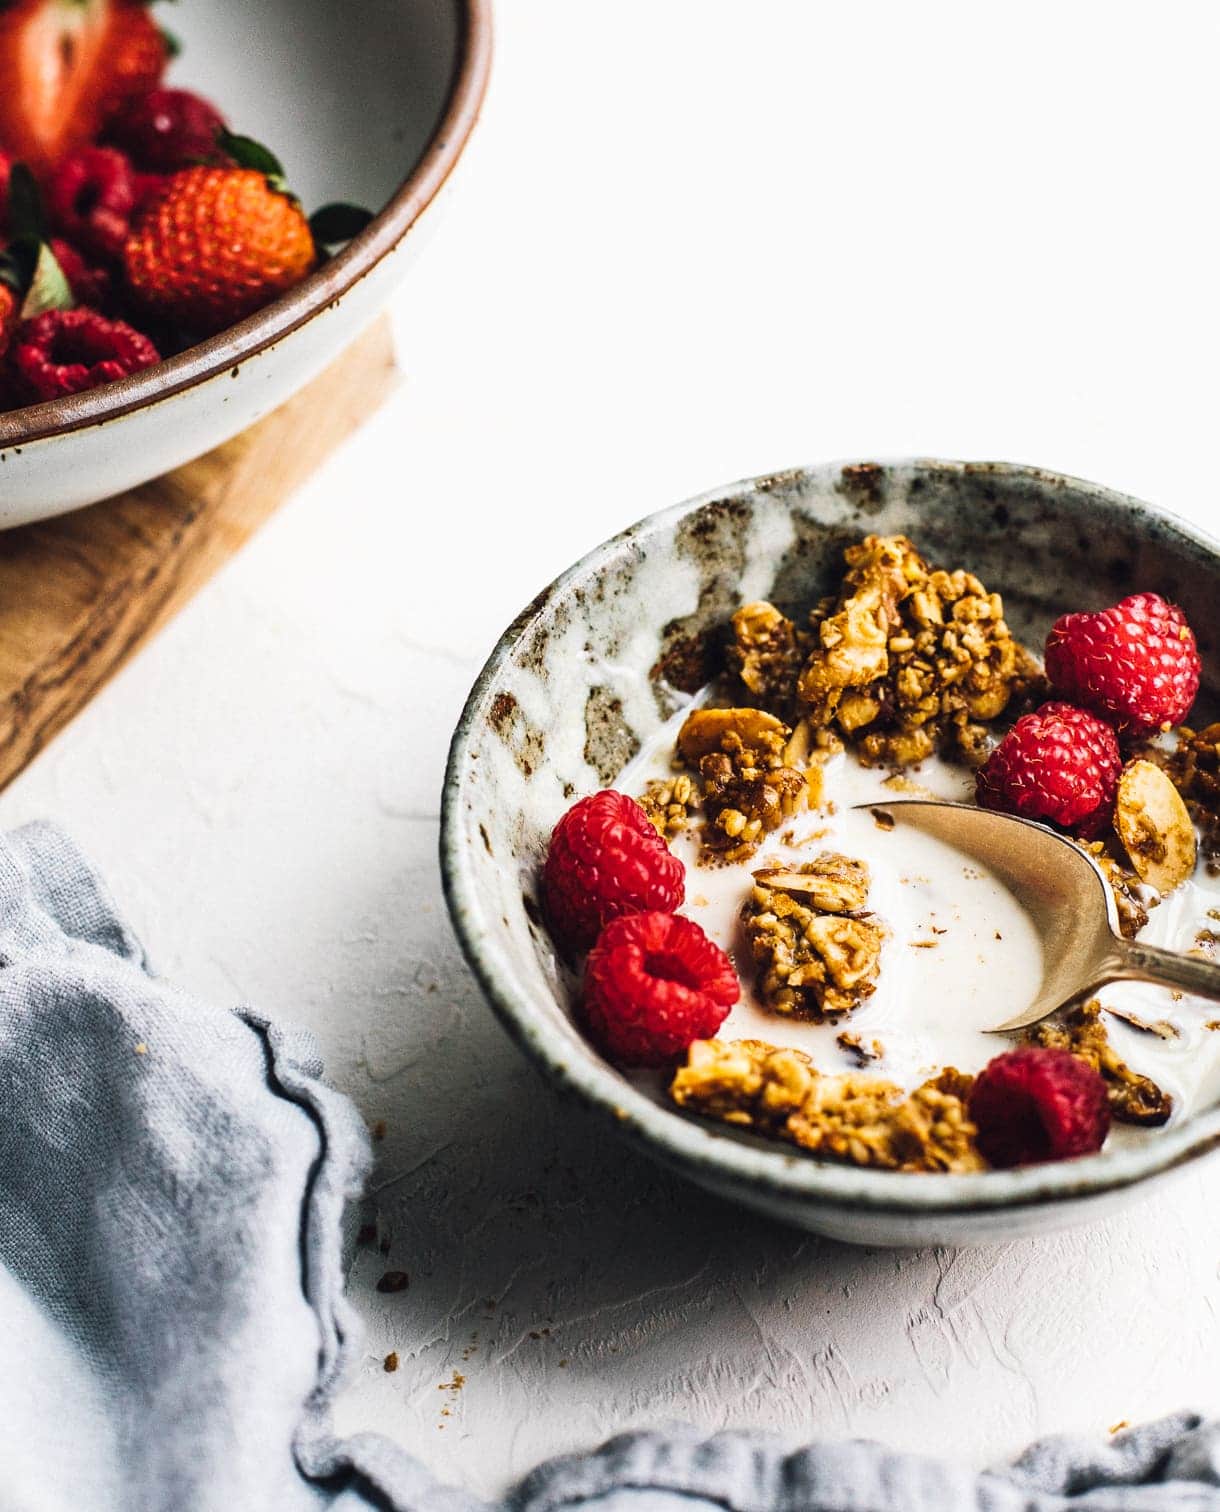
x=693 y=240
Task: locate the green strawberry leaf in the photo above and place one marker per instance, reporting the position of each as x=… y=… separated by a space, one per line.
x=48 y=288
x=171 y=42
x=11 y=273
x=338 y=223
x=247 y=153
x=26 y=217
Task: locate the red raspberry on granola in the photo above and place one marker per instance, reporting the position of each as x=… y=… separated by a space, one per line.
x=606 y=859
x=655 y=983
x=1031 y=1105
x=1059 y=764
x=1135 y=663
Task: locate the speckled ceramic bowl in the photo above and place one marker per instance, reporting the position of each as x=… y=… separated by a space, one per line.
x=584 y=675
x=371 y=103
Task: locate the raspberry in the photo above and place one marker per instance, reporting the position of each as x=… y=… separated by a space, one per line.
x=149 y=187
x=1059 y=764
x=65 y=351
x=1036 y=1104
x=91 y=196
x=1136 y=663
x=90 y=283
x=654 y=983
x=606 y=859
x=168 y=129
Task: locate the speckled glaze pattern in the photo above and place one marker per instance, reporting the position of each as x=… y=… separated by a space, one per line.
x=586 y=673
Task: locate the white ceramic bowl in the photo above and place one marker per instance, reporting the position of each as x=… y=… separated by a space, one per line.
x=585 y=675
x=371 y=101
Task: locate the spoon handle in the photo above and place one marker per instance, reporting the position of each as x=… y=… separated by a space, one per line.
x=1167 y=968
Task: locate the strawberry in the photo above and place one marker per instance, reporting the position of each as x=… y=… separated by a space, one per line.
x=66 y=66
x=219 y=243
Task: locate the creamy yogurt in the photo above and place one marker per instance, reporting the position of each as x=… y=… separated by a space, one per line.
x=961 y=953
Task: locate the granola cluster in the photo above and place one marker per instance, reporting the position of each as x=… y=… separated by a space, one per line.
x=817 y=954
x=863 y=1119
x=670 y=803
x=905 y=660
x=1134 y=1099
x=1193 y=766
x=747 y=787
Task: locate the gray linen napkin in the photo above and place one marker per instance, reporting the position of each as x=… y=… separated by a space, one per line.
x=173 y=1183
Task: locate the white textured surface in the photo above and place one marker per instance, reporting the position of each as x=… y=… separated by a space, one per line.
x=694 y=241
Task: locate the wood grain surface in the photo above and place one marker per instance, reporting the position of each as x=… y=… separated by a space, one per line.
x=80 y=594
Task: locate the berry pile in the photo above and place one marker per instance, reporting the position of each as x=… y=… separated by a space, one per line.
x=132 y=222
x=654 y=982
x=1122 y=673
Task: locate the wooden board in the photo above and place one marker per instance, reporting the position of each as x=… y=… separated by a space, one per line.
x=80 y=594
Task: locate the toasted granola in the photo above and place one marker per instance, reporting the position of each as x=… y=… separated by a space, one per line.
x=1193 y=765
x=1134 y=1098
x=910 y=659
x=817 y=956
x=766 y=653
x=1150 y=819
x=1124 y=884
x=860 y=1051
x=748 y=789
x=670 y=803
x=863 y=1119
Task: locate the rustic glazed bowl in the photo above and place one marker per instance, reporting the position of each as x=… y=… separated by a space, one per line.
x=586 y=673
x=371 y=103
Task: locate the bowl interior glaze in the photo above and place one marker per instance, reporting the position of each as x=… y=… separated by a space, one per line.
x=587 y=672
x=370 y=103
x=347 y=96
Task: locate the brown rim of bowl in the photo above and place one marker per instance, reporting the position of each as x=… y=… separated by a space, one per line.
x=231 y=348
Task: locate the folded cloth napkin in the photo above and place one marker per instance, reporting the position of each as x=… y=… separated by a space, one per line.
x=173 y=1182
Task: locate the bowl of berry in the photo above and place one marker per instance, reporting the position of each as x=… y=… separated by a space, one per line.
x=194 y=224
x=671 y=855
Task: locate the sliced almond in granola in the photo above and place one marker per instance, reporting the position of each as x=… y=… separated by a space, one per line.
x=833 y=883
x=706 y=730
x=1153 y=825
x=800 y=745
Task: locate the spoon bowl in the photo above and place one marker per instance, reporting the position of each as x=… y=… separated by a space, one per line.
x=1069 y=901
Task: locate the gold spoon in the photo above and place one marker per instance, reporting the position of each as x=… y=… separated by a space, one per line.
x=1069 y=900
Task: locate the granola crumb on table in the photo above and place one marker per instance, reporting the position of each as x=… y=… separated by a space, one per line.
x=862 y=1119
x=1134 y=1098
x=817 y=957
